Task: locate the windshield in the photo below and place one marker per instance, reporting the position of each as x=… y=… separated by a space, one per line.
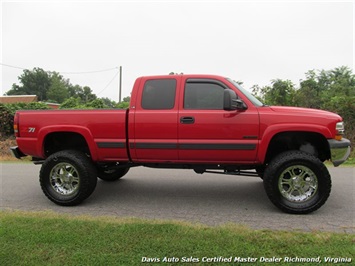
x=250 y=96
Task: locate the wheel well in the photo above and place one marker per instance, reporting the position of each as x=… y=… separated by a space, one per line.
x=310 y=142
x=59 y=141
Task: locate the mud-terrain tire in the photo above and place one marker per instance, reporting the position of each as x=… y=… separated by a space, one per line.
x=297 y=182
x=111 y=175
x=68 y=177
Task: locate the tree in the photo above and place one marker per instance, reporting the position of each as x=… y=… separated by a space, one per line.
x=49 y=86
x=332 y=90
x=84 y=93
x=88 y=94
x=32 y=82
x=281 y=92
x=341 y=81
x=125 y=103
x=71 y=103
x=109 y=103
x=96 y=104
x=127 y=99
x=75 y=91
x=309 y=93
x=58 y=91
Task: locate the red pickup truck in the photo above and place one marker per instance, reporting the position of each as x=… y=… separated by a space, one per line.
x=206 y=123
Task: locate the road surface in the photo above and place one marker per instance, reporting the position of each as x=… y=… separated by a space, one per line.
x=183 y=195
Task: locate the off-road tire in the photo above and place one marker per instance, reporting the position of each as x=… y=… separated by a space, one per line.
x=68 y=177
x=297 y=182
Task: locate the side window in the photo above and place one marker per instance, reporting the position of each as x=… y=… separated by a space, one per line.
x=204 y=96
x=159 y=94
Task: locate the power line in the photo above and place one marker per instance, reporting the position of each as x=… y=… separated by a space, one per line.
x=89 y=72
x=12 y=66
x=109 y=83
x=75 y=73
x=66 y=72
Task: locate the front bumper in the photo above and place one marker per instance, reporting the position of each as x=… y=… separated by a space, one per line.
x=16 y=152
x=340 y=150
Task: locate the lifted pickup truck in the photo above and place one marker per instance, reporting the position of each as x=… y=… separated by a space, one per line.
x=202 y=122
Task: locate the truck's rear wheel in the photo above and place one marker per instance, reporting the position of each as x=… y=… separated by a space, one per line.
x=111 y=175
x=68 y=177
x=297 y=182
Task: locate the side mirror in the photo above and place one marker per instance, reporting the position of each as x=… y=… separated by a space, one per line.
x=231 y=101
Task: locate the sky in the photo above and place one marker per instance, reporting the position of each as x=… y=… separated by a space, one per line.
x=249 y=41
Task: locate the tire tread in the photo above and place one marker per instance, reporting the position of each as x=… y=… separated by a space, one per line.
x=286 y=158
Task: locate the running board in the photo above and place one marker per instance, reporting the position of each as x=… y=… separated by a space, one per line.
x=226 y=172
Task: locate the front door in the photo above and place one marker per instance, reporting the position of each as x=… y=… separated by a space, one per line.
x=207 y=133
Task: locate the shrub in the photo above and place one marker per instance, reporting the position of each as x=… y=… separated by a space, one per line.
x=7 y=112
x=6 y=121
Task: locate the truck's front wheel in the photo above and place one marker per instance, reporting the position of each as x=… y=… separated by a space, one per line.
x=68 y=177
x=297 y=182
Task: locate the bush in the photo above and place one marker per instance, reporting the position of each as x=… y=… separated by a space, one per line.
x=6 y=121
x=7 y=113
x=71 y=103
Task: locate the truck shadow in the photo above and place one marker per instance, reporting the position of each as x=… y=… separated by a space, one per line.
x=172 y=196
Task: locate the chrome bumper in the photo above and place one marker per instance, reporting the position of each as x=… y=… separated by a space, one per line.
x=340 y=150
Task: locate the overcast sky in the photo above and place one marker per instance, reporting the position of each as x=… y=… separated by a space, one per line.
x=250 y=41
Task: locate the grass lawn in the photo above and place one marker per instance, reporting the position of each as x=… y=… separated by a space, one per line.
x=46 y=238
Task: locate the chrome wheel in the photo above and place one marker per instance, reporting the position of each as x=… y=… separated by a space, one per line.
x=298 y=183
x=64 y=179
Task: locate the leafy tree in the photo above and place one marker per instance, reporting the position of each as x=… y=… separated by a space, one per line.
x=58 y=91
x=341 y=81
x=71 y=103
x=309 y=93
x=126 y=99
x=49 y=86
x=96 y=104
x=74 y=90
x=88 y=94
x=125 y=103
x=332 y=90
x=32 y=82
x=109 y=103
x=84 y=93
x=281 y=92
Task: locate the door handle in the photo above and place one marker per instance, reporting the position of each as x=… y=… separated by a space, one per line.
x=187 y=120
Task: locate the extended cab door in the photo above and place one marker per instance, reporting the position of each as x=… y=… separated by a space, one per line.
x=209 y=134
x=153 y=120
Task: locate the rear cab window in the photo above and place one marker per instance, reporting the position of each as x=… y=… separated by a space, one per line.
x=159 y=94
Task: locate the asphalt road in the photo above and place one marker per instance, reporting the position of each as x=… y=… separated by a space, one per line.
x=183 y=195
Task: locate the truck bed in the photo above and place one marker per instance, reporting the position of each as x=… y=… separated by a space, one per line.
x=103 y=130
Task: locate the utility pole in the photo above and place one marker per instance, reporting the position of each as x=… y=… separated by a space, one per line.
x=120 y=85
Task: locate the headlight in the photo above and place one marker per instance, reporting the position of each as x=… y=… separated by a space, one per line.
x=339 y=128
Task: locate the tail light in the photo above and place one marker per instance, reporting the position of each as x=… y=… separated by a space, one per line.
x=16 y=125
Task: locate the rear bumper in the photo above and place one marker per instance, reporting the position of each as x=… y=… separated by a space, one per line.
x=16 y=152
x=340 y=150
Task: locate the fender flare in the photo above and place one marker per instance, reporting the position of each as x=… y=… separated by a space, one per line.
x=83 y=131
x=271 y=131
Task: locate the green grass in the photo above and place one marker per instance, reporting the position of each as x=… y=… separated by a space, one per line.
x=44 y=238
x=350 y=161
